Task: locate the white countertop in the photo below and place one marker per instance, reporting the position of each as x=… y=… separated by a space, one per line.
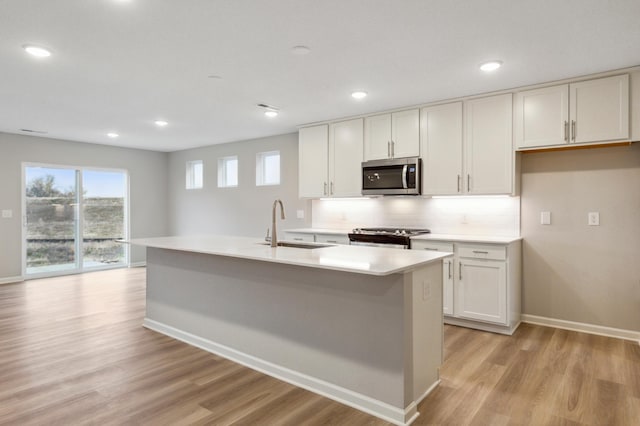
x=489 y=239
x=356 y=259
x=467 y=238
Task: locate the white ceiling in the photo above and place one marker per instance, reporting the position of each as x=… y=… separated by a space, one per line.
x=118 y=65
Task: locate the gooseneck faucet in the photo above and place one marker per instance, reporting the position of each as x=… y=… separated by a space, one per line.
x=274 y=233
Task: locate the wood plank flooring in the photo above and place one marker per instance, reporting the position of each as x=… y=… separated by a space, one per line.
x=73 y=352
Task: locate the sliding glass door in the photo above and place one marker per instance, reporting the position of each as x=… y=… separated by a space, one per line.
x=73 y=217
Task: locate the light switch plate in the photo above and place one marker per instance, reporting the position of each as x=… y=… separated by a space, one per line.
x=594 y=219
x=300 y=214
x=545 y=218
x=7 y=214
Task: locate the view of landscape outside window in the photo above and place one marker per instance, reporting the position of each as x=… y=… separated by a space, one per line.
x=52 y=202
x=104 y=217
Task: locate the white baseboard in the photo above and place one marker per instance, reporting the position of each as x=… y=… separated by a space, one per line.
x=345 y=396
x=582 y=327
x=9 y=280
x=137 y=264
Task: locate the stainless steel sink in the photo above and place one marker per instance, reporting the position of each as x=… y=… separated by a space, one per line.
x=300 y=245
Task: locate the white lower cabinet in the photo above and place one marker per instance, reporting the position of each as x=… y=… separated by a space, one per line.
x=482 y=290
x=481 y=284
x=326 y=238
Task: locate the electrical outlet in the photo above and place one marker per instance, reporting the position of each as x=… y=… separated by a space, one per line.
x=545 y=218
x=300 y=214
x=7 y=214
x=594 y=219
x=426 y=290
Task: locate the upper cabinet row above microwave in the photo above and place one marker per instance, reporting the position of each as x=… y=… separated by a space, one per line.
x=577 y=113
x=330 y=155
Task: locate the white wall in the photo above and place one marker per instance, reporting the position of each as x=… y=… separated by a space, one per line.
x=245 y=210
x=498 y=216
x=147 y=183
x=572 y=271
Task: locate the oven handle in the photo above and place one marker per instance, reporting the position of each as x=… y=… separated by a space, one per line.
x=385 y=245
x=404 y=177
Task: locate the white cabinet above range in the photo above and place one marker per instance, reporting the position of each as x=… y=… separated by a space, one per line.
x=393 y=135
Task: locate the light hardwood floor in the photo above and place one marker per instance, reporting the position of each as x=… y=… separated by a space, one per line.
x=73 y=352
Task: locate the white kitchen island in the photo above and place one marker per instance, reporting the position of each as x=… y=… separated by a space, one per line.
x=360 y=325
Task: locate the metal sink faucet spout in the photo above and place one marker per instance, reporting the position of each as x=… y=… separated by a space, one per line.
x=274 y=232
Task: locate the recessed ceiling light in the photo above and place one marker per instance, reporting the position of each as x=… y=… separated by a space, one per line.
x=112 y=135
x=359 y=95
x=161 y=123
x=491 y=66
x=37 y=51
x=300 y=50
x=271 y=113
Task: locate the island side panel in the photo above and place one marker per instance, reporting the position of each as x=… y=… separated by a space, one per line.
x=424 y=330
x=343 y=328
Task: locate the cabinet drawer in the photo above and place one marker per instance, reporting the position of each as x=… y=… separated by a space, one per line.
x=295 y=236
x=332 y=239
x=476 y=251
x=431 y=245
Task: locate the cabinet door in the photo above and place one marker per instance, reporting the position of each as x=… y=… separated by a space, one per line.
x=345 y=158
x=313 y=149
x=377 y=137
x=600 y=110
x=482 y=291
x=405 y=133
x=441 y=148
x=447 y=286
x=488 y=145
x=542 y=117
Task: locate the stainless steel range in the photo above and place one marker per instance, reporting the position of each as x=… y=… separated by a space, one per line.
x=385 y=237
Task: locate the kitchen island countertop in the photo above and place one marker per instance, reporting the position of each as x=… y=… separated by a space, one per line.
x=355 y=259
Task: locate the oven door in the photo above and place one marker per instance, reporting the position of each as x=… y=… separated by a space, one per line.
x=391 y=177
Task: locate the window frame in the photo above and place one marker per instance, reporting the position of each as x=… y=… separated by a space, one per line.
x=192 y=180
x=261 y=168
x=223 y=170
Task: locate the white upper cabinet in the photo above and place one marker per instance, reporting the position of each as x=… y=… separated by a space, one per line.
x=542 y=117
x=345 y=158
x=330 y=158
x=599 y=110
x=584 y=112
x=489 y=163
x=441 y=148
x=313 y=161
x=393 y=135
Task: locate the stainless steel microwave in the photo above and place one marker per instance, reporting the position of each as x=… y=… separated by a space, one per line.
x=397 y=176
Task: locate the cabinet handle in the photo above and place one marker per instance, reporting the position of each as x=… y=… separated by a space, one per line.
x=480 y=252
x=325 y=188
x=332 y=241
x=459 y=180
x=331 y=192
x=573 y=130
x=460 y=270
x=297 y=239
x=388 y=149
x=468 y=182
x=432 y=249
x=566 y=131
x=393 y=149
x=450 y=264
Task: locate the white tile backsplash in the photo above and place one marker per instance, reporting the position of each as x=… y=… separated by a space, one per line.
x=499 y=216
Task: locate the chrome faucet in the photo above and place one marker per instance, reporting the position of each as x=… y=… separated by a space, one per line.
x=274 y=233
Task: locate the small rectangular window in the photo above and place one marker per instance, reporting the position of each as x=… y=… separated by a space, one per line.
x=268 y=168
x=227 y=172
x=195 y=171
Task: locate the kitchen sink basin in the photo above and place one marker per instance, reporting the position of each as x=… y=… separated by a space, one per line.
x=300 y=245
